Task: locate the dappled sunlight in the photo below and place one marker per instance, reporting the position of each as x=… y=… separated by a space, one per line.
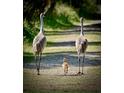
x=91 y=36
x=65 y=10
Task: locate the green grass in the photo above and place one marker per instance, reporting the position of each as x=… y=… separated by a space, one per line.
x=69 y=49
x=93 y=39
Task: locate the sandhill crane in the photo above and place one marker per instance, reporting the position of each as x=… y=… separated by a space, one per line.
x=39 y=44
x=81 y=46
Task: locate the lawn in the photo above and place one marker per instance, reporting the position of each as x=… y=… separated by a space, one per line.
x=94 y=40
x=53 y=81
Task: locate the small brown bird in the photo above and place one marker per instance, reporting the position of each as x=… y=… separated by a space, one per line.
x=65 y=66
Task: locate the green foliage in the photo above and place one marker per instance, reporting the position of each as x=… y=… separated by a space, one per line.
x=61 y=17
x=67 y=11
x=29 y=30
x=90 y=9
x=61 y=14
x=33 y=8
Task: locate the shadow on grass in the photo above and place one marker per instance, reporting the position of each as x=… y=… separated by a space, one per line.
x=55 y=33
x=95 y=27
x=74 y=29
x=64 y=52
x=69 y=43
x=50 y=60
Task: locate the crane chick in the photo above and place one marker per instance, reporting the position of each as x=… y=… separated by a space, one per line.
x=65 y=65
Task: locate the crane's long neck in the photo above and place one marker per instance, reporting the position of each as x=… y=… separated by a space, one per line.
x=41 y=24
x=82 y=32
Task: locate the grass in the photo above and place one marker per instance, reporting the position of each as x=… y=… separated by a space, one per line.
x=94 y=38
x=52 y=25
x=69 y=49
x=92 y=48
x=62 y=91
x=72 y=37
x=53 y=81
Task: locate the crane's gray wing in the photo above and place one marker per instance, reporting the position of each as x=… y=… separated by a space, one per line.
x=38 y=43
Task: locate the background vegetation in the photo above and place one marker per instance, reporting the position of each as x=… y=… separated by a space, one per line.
x=61 y=14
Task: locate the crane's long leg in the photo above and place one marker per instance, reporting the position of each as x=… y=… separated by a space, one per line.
x=40 y=57
x=79 y=63
x=37 y=63
x=83 y=63
x=38 y=67
x=35 y=58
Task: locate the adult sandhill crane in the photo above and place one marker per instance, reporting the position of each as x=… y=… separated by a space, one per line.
x=81 y=46
x=39 y=43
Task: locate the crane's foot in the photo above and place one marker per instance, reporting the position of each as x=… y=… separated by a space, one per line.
x=82 y=73
x=38 y=71
x=79 y=73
